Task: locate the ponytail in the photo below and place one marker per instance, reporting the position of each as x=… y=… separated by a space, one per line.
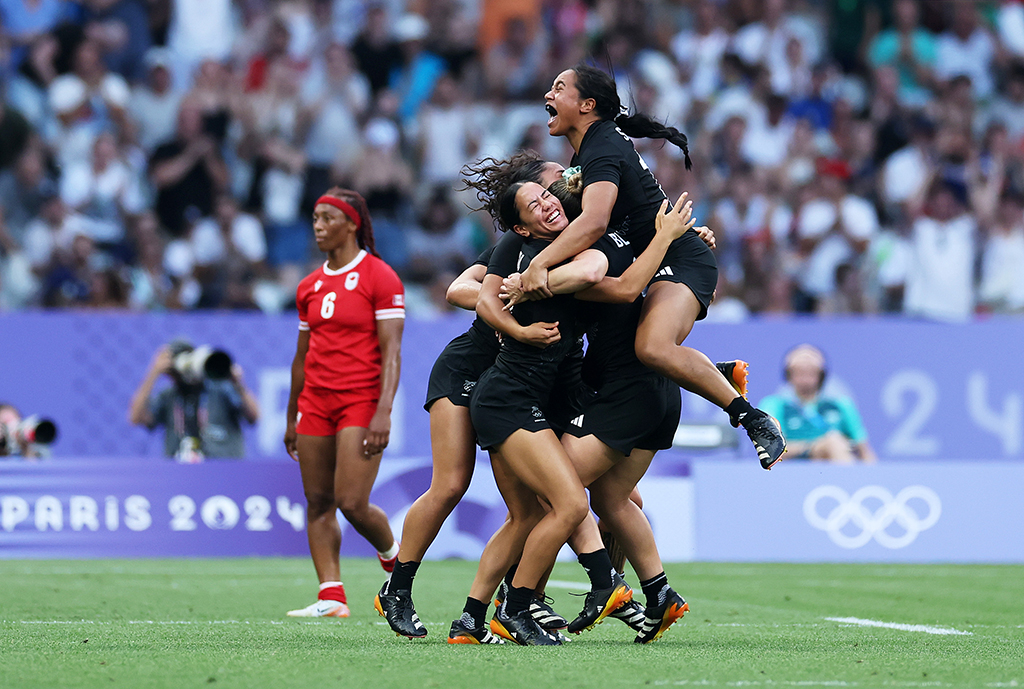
x=593 y=83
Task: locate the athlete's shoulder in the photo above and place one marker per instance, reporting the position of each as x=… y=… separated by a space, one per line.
x=379 y=268
x=308 y=284
x=317 y=274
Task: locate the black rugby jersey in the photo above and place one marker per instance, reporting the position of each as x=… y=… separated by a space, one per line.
x=607 y=155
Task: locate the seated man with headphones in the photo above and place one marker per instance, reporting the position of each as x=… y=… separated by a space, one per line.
x=817 y=425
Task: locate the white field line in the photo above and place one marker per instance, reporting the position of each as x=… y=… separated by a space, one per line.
x=902 y=627
x=570 y=585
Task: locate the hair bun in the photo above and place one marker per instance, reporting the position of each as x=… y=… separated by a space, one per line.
x=573 y=180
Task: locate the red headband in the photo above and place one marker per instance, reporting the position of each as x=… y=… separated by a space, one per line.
x=343 y=206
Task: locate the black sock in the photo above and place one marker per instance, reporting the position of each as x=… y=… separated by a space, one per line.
x=510 y=574
x=518 y=600
x=402 y=576
x=739 y=411
x=599 y=568
x=476 y=611
x=653 y=589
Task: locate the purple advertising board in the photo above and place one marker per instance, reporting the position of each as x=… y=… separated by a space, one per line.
x=814 y=512
x=925 y=390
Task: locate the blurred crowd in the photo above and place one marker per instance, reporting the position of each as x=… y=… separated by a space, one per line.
x=852 y=156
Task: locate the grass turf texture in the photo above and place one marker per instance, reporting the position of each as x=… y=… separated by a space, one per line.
x=191 y=623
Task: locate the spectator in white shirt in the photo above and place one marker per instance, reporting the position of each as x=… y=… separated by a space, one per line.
x=154 y=104
x=967 y=49
x=940 y=276
x=834 y=228
x=699 y=51
x=1002 y=277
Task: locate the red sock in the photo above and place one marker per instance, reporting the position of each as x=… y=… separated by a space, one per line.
x=333 y=593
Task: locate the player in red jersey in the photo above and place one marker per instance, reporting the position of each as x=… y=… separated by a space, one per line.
x=344 y=378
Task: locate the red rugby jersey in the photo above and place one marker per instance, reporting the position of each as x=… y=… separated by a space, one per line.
x=340 y=308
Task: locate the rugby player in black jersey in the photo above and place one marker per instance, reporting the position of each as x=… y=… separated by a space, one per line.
x=620 y=193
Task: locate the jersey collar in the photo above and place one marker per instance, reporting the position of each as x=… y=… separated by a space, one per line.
x=348 y=266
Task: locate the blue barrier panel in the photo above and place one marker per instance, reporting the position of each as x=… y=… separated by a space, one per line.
x=907 y=512
x=925 y=390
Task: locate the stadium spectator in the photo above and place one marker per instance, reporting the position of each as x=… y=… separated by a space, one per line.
x=154 y=103
x=1001 y=287
x=376 y=53
x=833 y=228
x=121 y=28
x=819 y=423
x=334 y=97
x=903 y=87
x=386 y=181
x=967 y=49
x=413 y=81
x=910 y=49
x=943 y=245
x=201 y=417
x=187 y=172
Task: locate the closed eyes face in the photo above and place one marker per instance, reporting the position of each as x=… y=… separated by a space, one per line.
x=540 y=213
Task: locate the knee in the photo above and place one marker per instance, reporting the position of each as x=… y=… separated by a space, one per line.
x=318 y=504
x=353 y=507
x=651 y=353
x=573 y=509
x=448 y=494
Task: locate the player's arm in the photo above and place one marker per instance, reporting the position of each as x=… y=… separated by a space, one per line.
x=670 y=225
x=465 y=289
x=389 y=334
x=584 y=271
x=491 y=309
x=298 y=381
x=598 y=200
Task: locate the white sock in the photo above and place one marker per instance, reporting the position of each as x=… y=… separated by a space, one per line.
x=390 y=552
x=329 y=584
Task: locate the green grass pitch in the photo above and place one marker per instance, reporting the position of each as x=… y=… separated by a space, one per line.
x=221 y=623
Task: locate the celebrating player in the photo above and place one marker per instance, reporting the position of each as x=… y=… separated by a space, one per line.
x=621 y=193
x=452 y=438
x=344 y=379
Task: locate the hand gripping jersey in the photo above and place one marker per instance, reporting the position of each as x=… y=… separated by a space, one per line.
x=340 y=308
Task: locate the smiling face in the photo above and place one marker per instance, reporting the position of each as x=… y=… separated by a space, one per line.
x=331 y=227
x=563 y=104
x=540 y=213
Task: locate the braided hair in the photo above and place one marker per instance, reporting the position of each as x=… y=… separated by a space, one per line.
x=364 y=235
x=492 y=179
x=591 y=82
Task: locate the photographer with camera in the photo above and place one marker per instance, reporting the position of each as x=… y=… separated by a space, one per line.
x=28 y=438
x=201 y=412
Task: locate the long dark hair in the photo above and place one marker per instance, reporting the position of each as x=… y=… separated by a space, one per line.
x=364 y=235
x=492 y=179
x=591 y=82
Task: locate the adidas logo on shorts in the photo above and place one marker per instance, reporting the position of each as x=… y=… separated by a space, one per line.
x=664 y=272
x=578 y=421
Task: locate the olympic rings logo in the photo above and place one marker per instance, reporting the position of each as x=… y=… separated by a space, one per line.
x=853 y=509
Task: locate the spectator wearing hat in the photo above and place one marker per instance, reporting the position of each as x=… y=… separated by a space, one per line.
x=154 y=103
x=818 y=422
x=833 y=228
